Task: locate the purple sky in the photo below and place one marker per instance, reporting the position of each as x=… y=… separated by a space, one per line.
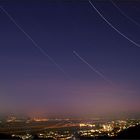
x=31 y=83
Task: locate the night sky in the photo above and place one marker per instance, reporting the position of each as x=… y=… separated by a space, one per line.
x=30 y=82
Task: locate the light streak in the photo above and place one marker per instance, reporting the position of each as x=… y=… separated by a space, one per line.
x=119 y=32
x=31 y=39
x=92 y=68
x=124 y=14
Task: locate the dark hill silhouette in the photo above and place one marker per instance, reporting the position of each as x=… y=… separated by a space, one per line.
x=130 y=133
x=6 y=136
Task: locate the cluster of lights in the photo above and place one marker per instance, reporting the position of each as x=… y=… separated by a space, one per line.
x=23 y=137
x=87 y=129
x=40 y=119
x=86 y=125
x=109 y=129
x=11 y=119
x=56 y=135
x=90 y=133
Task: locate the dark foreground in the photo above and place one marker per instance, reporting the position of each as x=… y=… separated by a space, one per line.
x=130 y=133
x=68 y=129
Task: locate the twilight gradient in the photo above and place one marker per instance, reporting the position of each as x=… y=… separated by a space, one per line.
x=31 y=83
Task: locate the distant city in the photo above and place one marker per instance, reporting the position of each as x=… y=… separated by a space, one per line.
x=26 y=128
